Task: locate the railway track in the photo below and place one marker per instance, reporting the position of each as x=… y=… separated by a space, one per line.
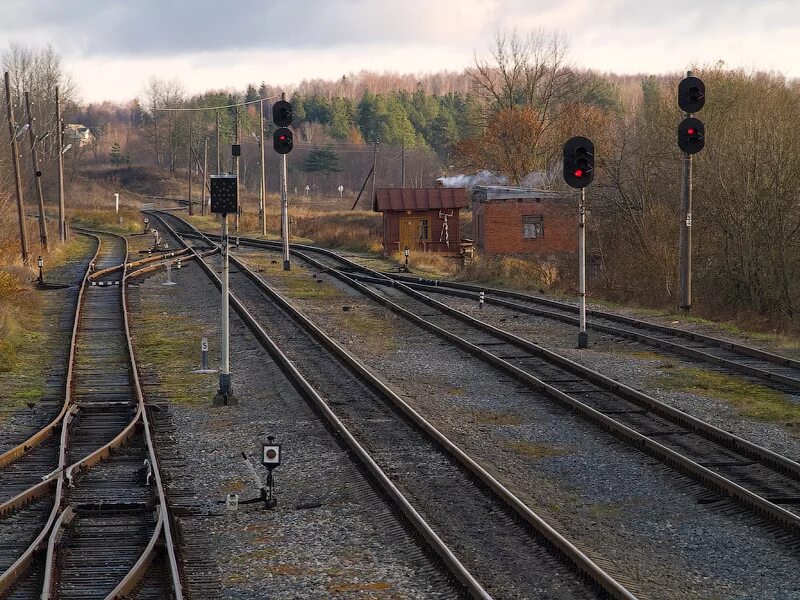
x=731 y=467
x=776 y=370
x=96 y=523
x=492 y=543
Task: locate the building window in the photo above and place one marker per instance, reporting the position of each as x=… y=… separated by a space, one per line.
x=423 y=229
x=532 y=227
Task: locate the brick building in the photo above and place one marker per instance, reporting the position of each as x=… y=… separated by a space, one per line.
x=421 y=219
x=509 y=220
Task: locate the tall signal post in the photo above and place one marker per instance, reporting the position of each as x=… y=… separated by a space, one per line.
x=578 y=173
x=225 y=200
x=282 y=142
x=691 y=139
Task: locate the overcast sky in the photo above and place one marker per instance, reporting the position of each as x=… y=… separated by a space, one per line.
x=112 y=47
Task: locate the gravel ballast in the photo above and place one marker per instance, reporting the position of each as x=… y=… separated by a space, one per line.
x=331 y=534
x=612 y=501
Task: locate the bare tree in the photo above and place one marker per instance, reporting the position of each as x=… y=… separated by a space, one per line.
x=527 y=87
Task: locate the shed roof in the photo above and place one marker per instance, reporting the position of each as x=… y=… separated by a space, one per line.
x=499 y=193
x=419 y=199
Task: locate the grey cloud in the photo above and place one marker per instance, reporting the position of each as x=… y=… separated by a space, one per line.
x=155 y=27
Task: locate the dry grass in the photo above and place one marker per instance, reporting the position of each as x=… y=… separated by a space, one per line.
x=27 y=343
x=534 y=450
x=510 y=272
x=747 y=398
x=495 y=418
x=167 y=344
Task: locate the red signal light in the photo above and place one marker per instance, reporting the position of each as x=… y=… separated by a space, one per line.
x=691 y=131
x=282 y=138
x=578 y=172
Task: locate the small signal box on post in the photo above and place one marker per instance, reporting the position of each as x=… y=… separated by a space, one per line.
x=224 y=194
x=282 y=113
x=270 y=453
x=578 y=162
x=691 y=135
x=282 y=140
x=691 y=94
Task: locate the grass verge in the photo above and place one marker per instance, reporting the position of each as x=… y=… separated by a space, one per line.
x=749 y=399
x=29 y=332
x=167 y=345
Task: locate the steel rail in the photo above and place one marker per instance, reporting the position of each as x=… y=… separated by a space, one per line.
x=581 y=562
x=130 y=581
x=136 y=263
x=63 y=472
x=37 y=438
x=688 y=467
x=748 y=351
x=711 y=432
x=431 y=537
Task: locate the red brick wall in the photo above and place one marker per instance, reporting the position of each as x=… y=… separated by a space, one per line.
x=500 y=230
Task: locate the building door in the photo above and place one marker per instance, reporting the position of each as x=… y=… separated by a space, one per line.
x=410 y=232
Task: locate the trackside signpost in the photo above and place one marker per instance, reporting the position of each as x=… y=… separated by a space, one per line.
x=283 y=143
x=225 y=200
x=578 y=173
x=691 y=140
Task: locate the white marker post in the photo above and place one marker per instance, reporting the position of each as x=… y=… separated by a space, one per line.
x=116 y=203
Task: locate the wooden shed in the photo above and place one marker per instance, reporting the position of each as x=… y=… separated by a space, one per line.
x=508 y=220
x=421 y=219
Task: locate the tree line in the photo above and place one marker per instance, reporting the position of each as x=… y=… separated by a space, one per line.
x=510 y=113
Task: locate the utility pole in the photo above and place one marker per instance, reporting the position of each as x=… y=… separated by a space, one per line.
x=263 y=194
x=62 y=219
x=205 y=180
x=403 y=163
x=37 y=175
x=23 y=235
x=374 y=164
x=218 y=154
x=189 y=167
x=236 y=170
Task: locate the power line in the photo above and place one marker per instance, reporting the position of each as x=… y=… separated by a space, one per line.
x=182 y=109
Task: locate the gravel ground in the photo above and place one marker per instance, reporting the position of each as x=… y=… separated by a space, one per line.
x=635 y=364
x=332 y=535
x=644 y=521
x=59 y=308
